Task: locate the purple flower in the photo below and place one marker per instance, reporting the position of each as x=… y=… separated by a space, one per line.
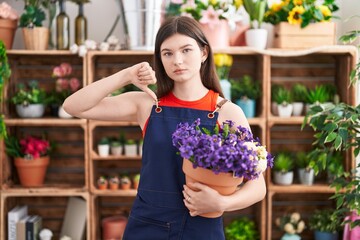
x=224 y=149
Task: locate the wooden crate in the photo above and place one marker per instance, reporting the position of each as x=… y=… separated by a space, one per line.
x=291 y=36
x=50 y=206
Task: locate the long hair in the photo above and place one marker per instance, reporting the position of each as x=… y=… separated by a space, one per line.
x=191 y=28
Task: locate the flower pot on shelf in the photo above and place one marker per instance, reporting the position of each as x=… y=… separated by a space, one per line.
x=63 y=114
x=31 y=110
x=256 y=38
x=36 y=38
x=224 y=183
x=297 y=108
x=248 y=106
x=218 y=35
x=326 y=235
x=306 y=176
x=32 y=171
x=113 y=227
x=130 y=149
x=7 y=31
x=282 y=178
x=290 y=36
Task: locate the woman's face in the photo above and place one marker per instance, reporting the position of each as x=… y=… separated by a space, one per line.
x=182 y=57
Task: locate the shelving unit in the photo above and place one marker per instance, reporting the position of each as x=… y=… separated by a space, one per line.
x=76 y=167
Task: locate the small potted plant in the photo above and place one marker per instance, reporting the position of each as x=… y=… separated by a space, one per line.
x=291 y=224
x=130 y=147
x=102 y=183
x=317 y=96
x=283 y=169
x=104 y=147
x=284 y=102
x=305 y=171
x=125 y=182
x=242 y=229
x=116 y=147
x=136 y=180
x=299 y=93
x=8 y=24
x=274 y=89
x=244 y=93
x=223 y=63
x=114 y=183
x=31 y=158
x=29 y=100
x=325 y=224
x=36 y=37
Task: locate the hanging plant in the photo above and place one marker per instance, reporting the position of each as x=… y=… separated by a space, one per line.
x=5 y=73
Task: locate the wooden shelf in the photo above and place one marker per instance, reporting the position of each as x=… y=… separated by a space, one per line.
x=44 y=122
x=119 y=193
x=299 y=188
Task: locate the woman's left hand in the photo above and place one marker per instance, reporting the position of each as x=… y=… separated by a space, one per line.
x=203 y=200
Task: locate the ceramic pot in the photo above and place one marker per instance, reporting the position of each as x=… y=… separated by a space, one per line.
x=297 y=108
x=256 y=38
x=130 y=149
x=224 y=183
x=30 y=111
x=113 y=227
x=32 y=171
x=103 y=150
x=306 y=177
x=217 y=35
x=248 y=106
x=284 y=178
x=7 y=31
x=326 y=235
x=63 y=114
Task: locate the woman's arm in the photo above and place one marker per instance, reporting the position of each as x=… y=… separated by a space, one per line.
x=93 y=101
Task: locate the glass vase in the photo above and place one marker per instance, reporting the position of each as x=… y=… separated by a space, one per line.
x=62 y=28
x=80 y=26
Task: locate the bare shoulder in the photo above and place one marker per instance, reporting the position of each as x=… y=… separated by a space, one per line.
x=231 y=111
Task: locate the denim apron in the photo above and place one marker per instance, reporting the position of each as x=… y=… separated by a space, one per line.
x=158 y=212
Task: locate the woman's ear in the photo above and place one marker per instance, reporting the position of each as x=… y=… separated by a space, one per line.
x=205 y=54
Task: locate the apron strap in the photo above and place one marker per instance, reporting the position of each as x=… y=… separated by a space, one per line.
x=218 y=107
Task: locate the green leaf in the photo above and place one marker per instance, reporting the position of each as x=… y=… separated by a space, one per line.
x=338 y=142
x=330 y=137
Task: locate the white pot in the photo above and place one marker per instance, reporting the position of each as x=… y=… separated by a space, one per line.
x=285 y=110
x=103 y=150
x=130 y=149
x=306 y=177
x=63 y=114
x=256 y=38
x=284 y=178
x=297 y=108
x=31 y=110
x=116 y=150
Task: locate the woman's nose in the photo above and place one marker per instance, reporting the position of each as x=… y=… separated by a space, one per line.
x=178 y=59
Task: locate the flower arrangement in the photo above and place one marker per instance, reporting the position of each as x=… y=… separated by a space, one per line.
x=65 y=84
x=225 y=149
x=7 y=12
x=223 y=63
x=208 y=11
x=31 y=93
x=30 y=147
x=300 y=12
x=291 y=223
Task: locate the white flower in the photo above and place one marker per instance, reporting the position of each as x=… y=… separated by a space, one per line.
x=295 y=217
x=74 y=48
x=90 y=44
x=113 y=40
x=250 y=145
x=289 y=228
x=104 y=46
x=261 y=152
x=262 y=165
x=82 y=50
x=300 y=227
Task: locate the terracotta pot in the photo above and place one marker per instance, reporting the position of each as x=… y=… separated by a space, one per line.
x=224 y=183
x=7 y=31
x=113 y=227
x=114 y=186
x=218 y=35
x=32 y=172
x=36 y=38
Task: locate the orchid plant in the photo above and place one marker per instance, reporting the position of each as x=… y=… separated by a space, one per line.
x=223 y=150
x=208 y=11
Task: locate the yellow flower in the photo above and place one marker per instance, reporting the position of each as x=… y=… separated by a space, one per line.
x=276 y=6
x=325 y=10
x=238 y=3
x=294 y=15
x=213 y=2
x=219 y=60
x=298 y=2
x=228 y=60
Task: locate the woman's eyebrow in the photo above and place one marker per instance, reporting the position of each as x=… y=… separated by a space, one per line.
x=182 y=47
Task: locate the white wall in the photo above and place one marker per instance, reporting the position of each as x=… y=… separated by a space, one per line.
x=101 y=15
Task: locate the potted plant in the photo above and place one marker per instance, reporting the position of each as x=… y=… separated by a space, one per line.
x=31 y=158
x=223 y=63
x=125 y=182
x=325 y=224
x=317 y=96
x=104 y=147
x=130 y=147
x=274 y=89
x=299 y=93
x=114 y=183
x=116 y=147
x=291 y=224
x=136 y=180
x=284 y=102
x=102 y=183
x=304 y=166
x=295 y=22
x=334 y=166
x=36 y=37
x=8 y=24
x=194 y=146
x=242 y=229
x=244 y=93
x=283 y=169
x=29 y=100
x=256 y=36
x=5 y=73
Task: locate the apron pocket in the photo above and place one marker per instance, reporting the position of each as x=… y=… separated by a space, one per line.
x=141 y=228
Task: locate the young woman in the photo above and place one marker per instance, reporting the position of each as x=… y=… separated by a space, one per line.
x=187 y=89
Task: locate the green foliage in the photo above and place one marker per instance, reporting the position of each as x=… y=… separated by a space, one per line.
x=245 y=87
x=299 y=92
x=33 y=16
x=241 y=229
x=31 y=94
x=283 y=162
x=325 y=221
x=256 y=10
x=282 y=96
x=104 y=141
x=319 y=94
x=302 y=160
x=5 y=73
x=12 y=147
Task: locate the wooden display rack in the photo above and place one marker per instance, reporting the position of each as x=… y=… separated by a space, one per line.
x=310 y=66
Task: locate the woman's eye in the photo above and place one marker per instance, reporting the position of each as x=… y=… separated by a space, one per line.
x=187 y=50
x=166 y=54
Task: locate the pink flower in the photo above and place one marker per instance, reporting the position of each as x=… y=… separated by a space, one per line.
x=7 y=12
x=74 y=84
x=36 y=147
x=61 y=84
x=66 y=69
x=58 y=72
x=211 y=17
